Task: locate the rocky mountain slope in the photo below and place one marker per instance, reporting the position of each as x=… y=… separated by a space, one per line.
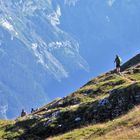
x=43 y=42
x=106 y=105
x=34 y=51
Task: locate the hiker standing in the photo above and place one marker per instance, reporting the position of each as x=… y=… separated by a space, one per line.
x=118 y=62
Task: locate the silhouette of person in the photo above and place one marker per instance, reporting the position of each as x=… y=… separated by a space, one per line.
x=23 y=113
x=118 y=64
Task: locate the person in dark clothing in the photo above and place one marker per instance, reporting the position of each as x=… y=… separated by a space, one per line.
x=32 y=110
x=118 y=62
x=23 y=113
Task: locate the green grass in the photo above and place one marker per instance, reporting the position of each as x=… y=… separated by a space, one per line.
x=126 y=127
x=135 y=77
x=86 y=98
x=2 y=125
x=103 y=85
x=4 y=133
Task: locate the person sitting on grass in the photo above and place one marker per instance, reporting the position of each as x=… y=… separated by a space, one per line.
x=23 y=113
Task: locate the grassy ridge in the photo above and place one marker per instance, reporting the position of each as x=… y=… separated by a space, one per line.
x=126 y=127
x=107 y=105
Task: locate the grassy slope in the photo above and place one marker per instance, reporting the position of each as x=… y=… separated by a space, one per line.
x=4 y=124
x=125 y=127
x=81 y=102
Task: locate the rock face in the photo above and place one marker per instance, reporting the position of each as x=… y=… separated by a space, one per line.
x=18 y=85
x=33 y=51
x=112 y=96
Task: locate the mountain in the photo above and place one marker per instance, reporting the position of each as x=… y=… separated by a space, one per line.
x=104 y=106
x=34 y=51
x=49 y=45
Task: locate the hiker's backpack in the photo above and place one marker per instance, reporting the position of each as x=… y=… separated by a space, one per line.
x=120 y=60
